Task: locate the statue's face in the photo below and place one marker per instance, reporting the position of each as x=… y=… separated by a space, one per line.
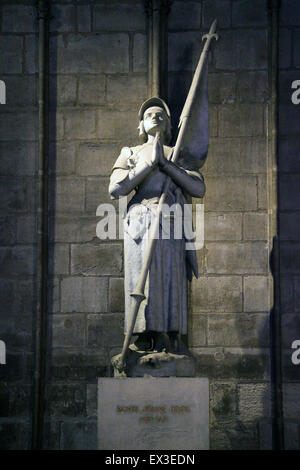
x=155 y=119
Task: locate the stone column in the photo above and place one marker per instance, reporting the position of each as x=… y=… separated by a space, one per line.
x=157 y=12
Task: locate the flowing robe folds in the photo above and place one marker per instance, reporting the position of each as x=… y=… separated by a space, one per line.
x=165 y=306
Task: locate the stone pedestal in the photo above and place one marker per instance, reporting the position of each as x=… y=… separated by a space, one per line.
x=153 y=413
x=156 y=364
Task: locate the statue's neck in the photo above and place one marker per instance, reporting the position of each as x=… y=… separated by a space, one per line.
x=152 y=137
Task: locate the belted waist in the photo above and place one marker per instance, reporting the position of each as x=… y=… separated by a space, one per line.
x=149 y=202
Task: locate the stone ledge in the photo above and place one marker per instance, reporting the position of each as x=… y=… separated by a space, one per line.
x=156 y=364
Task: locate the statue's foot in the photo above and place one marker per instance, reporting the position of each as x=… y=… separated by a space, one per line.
x=119 y=363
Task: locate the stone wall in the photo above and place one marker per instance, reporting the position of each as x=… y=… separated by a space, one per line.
x=229 y=321
x=98 y=78
x=18 y=163
x=289 y=220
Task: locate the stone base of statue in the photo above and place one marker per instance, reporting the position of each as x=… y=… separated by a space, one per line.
x=156 y=364
x=155 y=403
x=153 y=413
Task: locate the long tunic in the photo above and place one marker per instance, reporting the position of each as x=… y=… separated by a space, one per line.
x=165 y=306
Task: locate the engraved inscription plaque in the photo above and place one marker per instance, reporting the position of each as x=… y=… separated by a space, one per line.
x=153 y=413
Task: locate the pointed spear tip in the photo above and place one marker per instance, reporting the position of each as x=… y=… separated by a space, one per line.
x=214 y=25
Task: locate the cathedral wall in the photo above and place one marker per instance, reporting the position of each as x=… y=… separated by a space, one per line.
x=97 y=81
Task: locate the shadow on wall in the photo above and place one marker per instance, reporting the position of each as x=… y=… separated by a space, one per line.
x=50 y=429
x=18 y=252
x=288 y=284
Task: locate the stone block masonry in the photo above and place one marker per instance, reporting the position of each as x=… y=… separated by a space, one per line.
x=289 y=210
x=18 y=171
x=231 y=300
x=97 y=80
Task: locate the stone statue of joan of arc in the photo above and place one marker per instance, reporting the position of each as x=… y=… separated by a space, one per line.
x=162 y=316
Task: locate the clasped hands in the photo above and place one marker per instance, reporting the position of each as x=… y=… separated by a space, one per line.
x=157 y=156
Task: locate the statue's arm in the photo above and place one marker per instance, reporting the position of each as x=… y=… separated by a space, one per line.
x=124 y=179
x=191 y=182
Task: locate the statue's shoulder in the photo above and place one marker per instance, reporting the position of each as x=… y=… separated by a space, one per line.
x=122 y=160
x=136 y=148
